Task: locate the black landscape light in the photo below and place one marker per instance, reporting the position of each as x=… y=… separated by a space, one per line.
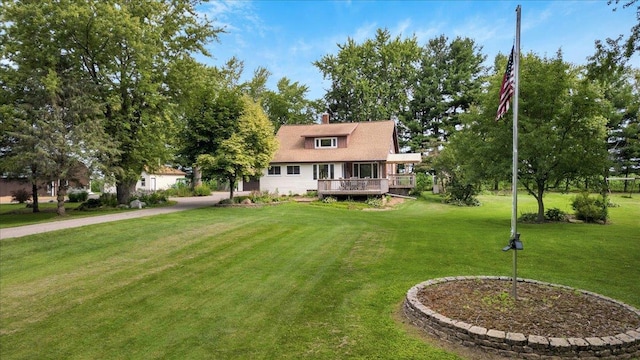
x=514 y=244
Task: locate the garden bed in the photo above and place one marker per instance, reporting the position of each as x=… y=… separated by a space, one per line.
x=547 y=320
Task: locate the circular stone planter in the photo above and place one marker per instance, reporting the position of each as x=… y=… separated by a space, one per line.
x=517 y=345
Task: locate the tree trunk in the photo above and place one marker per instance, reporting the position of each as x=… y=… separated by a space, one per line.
x=232 y=183
x=34 y=196
x=626 y=183
x=197 y=176
x=62 y=192
x=540 y=218
x=124 y=189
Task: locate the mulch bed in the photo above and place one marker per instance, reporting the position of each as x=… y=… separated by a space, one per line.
x=540 y=309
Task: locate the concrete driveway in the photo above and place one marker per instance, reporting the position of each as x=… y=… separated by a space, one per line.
x=183 y=204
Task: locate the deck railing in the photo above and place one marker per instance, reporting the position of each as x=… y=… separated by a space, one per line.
x=353 y=187
x=365 y=186
x=402 y=181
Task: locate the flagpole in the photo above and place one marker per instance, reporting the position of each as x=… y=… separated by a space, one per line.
x=514 y=181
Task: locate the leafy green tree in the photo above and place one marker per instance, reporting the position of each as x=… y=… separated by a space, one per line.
x=289 y=104
x=256 y=88
x=370 y=81
x=56 y=132
x=632 y=44
x=621 y=83
x=562 y=128
x=131 y=52
x=213 y=120
x=54 y=125
x=447 y=83
x=248 y=149
x=625 y=139
x=457 y=178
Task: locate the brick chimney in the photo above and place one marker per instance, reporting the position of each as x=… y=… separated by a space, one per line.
x=325 y=118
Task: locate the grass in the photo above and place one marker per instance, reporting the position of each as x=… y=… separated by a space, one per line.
x=282 y=282
x=12 y=215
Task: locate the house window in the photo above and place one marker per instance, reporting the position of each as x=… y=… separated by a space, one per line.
x=293 y=169
x=273 y=170
x=143 y=182
x=323 y=171
x=365 y=170
x=326 y=143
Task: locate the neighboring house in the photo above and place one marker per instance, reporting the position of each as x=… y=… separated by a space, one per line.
x=162 y=179
x=338 y=159
x=78 y=180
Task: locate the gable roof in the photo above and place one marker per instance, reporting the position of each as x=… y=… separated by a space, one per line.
x=166 y=170
x=368 y=141
x=329 y=130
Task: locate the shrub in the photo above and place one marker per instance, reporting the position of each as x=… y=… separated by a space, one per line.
x=239 y=199
x=329 y=200
x=21 y=196
x=202 y=190
x=90 y=204
x=150 y=198
x=374 y=201
x=528 y=217
x=179 y=190
x=450 y=198
x=555 y=214
x=589 y=209
x=264 y=197
x=108 y=200
x=78 y=196
x=461 y=195
x=424 y=182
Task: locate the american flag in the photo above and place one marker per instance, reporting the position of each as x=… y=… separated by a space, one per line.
x=506 y=90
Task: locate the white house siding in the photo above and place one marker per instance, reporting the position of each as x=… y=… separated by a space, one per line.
x=153 y=182
x=294 y=184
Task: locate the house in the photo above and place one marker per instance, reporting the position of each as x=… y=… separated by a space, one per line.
x=79 y=179
x=338 y=159
x=161 y=179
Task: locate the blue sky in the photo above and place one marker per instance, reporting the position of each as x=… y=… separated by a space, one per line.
x=286 y=37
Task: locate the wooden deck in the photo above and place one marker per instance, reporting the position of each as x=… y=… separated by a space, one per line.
x=402 y=181
x=357 y=187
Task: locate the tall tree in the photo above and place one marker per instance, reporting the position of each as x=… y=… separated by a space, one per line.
x=624 y=140
x=445 y=86
x=289 y=104
x=621 y=83
x=370 y=81
x=632 y=44
x=129 y=51
x=212 y=120
x=54 y=123
x=248 y=149
x=562 y=128
x=213 y=106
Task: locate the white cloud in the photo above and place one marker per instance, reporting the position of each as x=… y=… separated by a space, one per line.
x=401 y=28
x=366 y=31
x=300 y=48
x=479 y=29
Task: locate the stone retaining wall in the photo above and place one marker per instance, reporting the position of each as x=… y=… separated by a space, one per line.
x=517 y=345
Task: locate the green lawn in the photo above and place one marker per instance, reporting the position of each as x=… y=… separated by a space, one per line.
x=290 y=281
x=12 y=215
